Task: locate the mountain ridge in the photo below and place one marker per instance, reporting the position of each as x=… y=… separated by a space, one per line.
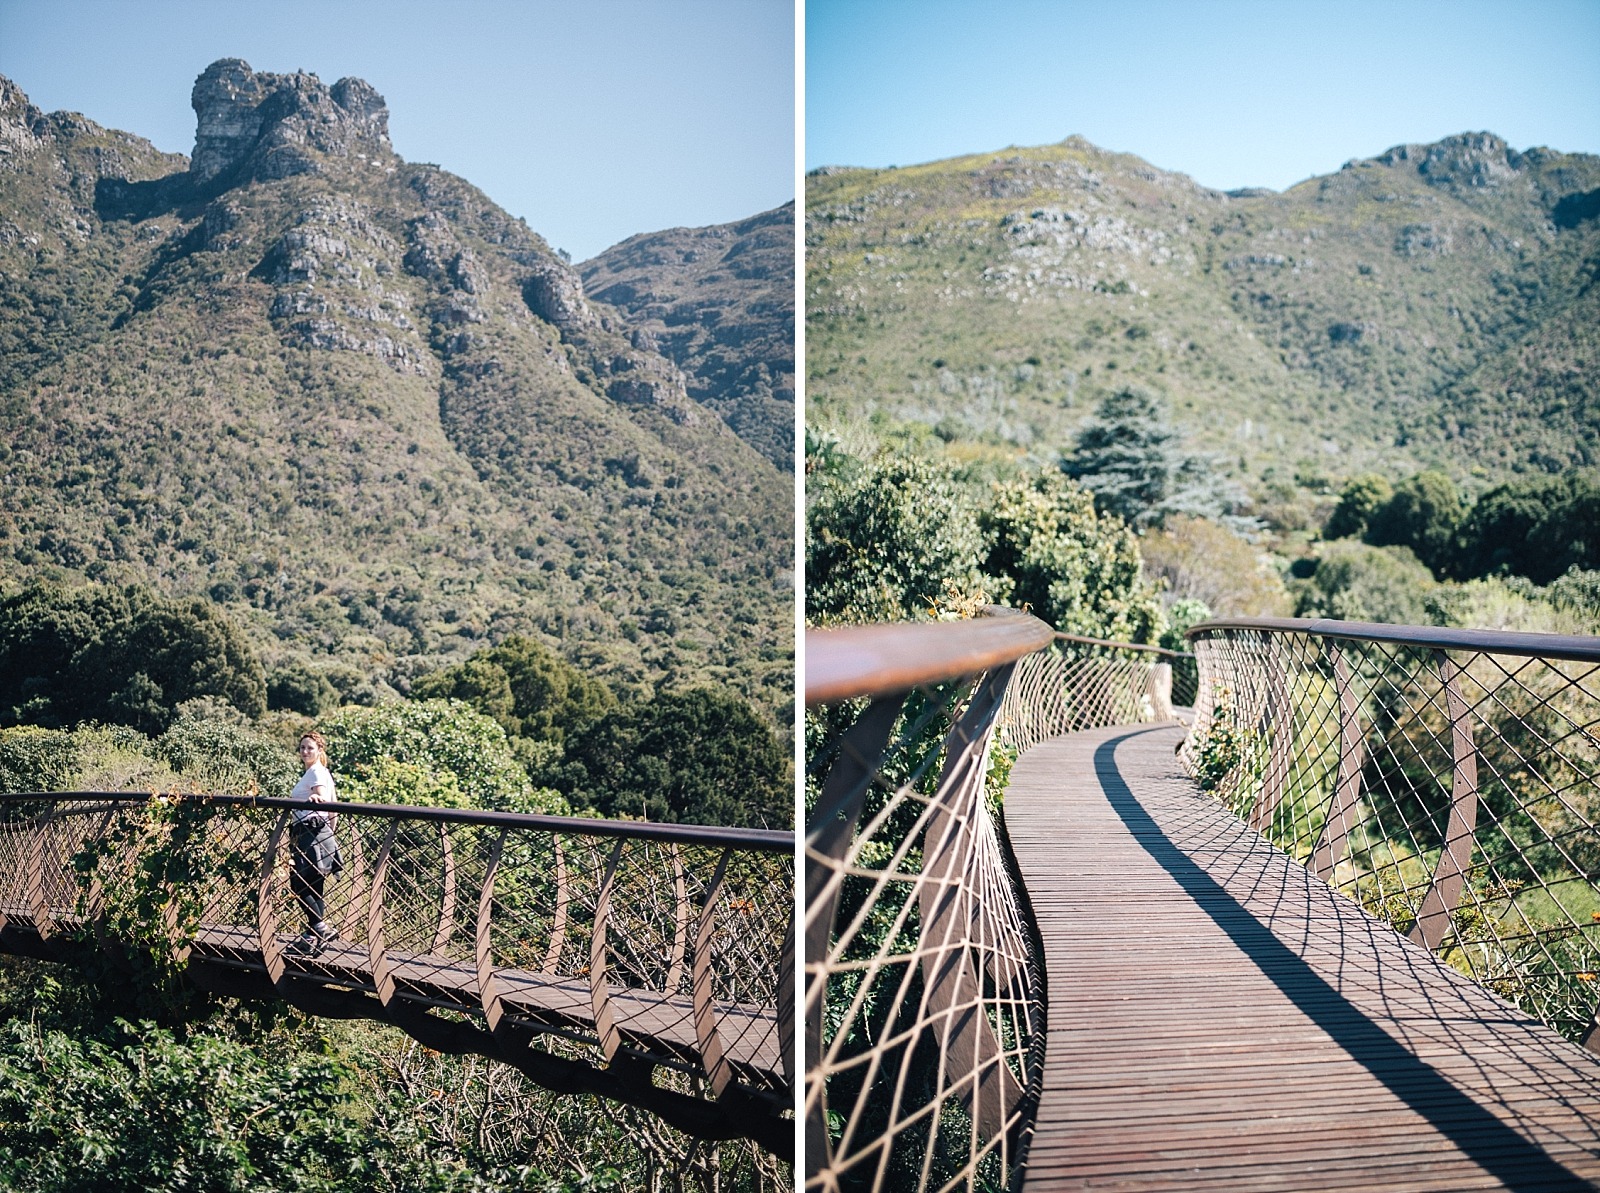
x=1356 y=320
x=359 y=405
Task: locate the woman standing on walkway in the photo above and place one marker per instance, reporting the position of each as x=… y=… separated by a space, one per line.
x=312 y=845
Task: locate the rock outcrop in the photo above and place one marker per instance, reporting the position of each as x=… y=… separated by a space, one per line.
x=1464 y=161
x=21 y=124
x=266 y=126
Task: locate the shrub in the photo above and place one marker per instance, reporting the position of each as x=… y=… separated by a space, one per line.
x=1046 y=549
x=1199 y=560
x=126 y=657
x=429 y=750
x=298 y=687
x=1355 y=582
x=530 y=690
x=33 y=759
x=1423 y=514
x=888 y=542
x=1358 y=501
x=697 y=757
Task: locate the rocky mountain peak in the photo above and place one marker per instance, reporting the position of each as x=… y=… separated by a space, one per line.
x=21 y=124
x=275 y=126
x=1465 y=161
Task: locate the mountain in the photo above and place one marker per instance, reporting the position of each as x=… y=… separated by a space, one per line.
x=720 y=302
x=1435 y=305
x=359 y=405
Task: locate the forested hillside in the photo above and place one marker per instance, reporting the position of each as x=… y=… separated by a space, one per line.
x=720 y=302
x=356 y=404
x=1433 y=306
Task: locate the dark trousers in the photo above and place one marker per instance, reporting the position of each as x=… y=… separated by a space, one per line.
x=305 y=880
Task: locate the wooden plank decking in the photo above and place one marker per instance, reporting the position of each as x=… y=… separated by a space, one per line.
x=1218 y=1019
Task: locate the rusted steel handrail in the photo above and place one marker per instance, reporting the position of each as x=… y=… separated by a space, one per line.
x=1569 y=647
x=617 y=1012
x=1114 y=645
x=887 y=660
x=768 y=840
x=924 y=976
x=1446 y=779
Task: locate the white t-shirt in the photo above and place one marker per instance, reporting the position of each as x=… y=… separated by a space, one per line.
x=316 y=784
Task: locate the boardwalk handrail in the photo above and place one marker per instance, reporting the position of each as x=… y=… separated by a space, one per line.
x=888 y=660
x=924 y=996
x=1446 y=779
x=648 y=963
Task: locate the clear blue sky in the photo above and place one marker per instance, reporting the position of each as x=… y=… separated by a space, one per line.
x=1231 y=92
x=593 y=120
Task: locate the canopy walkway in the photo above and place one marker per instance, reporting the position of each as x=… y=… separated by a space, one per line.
x=648 y=963
x=1363 y=956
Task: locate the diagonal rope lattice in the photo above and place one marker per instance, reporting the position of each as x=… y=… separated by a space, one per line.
x=924 y=984
x=643 y=962
x=1446 y=780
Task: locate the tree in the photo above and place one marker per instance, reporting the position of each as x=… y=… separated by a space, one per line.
x=889 y=542
x=1129 y=456
x=1568 y=536
x=1355 y=582
x=524 y=685
x=297 y=686
x=1538 y=528
x=1422 y=514
x=1360 y=498
x=696 y=757
x=1197 y=559
x=1047 y=550
x=167 y=653
x=431 y=752
x=125 y=657
x=143 y=1110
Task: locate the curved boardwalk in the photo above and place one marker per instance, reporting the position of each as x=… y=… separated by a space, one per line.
x=1219 y=1019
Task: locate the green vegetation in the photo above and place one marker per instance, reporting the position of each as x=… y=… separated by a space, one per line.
x=1047 y=550
x=1129 y=457
x=699 y=756
x=373 y=418
x=435 y=753
x=887 y=539
x=902 y=535
x=1381 y=319
x=533 y=693
x=96 y=1097
x=1540 y=528
x=124 y=657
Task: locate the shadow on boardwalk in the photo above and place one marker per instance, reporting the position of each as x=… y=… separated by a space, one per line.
x=1219 y=1018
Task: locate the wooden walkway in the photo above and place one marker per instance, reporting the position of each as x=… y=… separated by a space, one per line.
x=748 y=1036
x=1218 y=1019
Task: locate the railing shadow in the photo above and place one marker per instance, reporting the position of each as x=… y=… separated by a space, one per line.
x=1482 y=1136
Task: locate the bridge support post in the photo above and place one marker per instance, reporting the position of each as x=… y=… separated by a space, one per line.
x=975 y=1062
x=1450 y=876
x=266 y=904
x=599 y=994
x=712 y=1058
x=1340 y=817
x=377 y=960
x=860 y=754
x=1158 y=686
